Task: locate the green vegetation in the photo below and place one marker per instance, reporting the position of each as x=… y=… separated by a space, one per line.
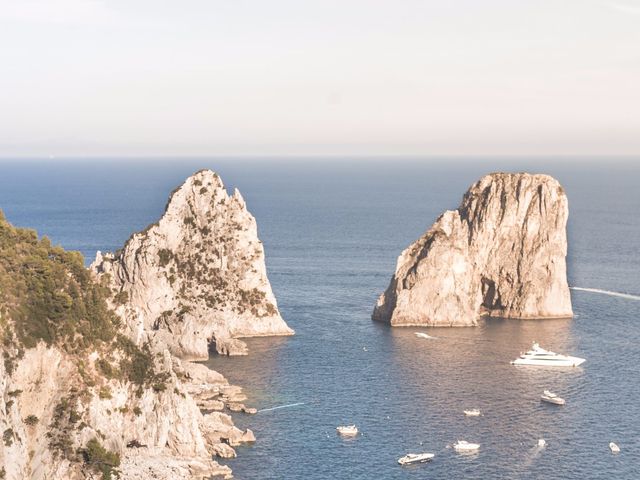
x=7 y=437
x=165 y=255
x=49 y=294
x=31 y=420
x=99 y=459
x=121 y=297
x=65 y=418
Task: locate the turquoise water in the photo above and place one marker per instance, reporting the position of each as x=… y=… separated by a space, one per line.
x=332 y=232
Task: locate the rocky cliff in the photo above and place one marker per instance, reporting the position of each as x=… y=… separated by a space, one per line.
x=196 y=277
x=91 y=384
x=501 y=253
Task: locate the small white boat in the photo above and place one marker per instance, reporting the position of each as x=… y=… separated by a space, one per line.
x=539 y=357
x=551 y=397
x=614 y=448
x=410 y=458
x=542 y=443
x=347 y=430
x=424 y=335
x=464 y=446
x=472 y=413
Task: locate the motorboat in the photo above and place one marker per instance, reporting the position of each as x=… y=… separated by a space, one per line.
x=542 y=443
x=472 y=413
x=464 y=446
x=347 y=430
x=424 y=335
x=411 y=458
x=614 y=448
x=540 y=357
x=551 y=397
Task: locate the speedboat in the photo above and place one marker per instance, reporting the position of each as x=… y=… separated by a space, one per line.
x=551 y=397
x=424 y=335
x=472 y=413
x=540 y=357
x=347 y=430
x=410 y=458
x=614 y=448
x=542 y=443
x=463 y=446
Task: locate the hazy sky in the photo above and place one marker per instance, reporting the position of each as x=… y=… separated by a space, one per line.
x=159 y=77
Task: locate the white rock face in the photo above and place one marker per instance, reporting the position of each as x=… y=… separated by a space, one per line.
x=174 y=439
x=502 y=253
x=197 y=276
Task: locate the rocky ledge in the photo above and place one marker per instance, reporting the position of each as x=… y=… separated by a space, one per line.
x=501 y=253
x=197 y=277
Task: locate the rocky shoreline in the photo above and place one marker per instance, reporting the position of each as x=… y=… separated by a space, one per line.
x=109 y=387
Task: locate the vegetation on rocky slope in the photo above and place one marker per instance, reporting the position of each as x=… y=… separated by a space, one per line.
x=47 y=295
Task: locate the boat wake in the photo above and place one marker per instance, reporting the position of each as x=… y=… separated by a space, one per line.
x=607 y=292
x=280 y=406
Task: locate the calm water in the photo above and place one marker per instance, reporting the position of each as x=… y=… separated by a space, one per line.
x=332 y=233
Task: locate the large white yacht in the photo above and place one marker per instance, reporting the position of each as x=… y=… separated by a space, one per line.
x=540 y=357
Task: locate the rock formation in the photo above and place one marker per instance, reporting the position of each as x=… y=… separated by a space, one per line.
x=501 y=253
x=197 y=276
x=91 y=382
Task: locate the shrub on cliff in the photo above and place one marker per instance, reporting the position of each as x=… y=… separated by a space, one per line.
x=98 y=458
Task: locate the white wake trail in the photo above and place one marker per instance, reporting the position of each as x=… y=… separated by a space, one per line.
x=281 y=406
x=607 y=292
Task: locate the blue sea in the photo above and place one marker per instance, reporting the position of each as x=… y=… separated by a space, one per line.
x=332 y=230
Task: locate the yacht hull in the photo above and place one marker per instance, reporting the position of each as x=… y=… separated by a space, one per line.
x=564 y=362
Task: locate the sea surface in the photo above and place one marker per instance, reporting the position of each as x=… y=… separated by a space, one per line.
x=332 y=230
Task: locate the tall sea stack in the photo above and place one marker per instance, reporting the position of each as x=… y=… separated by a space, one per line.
x=197 y=276
x=501 y=253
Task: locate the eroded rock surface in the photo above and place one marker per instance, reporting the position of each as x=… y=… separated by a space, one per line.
x=501 y=253
x=196 y=277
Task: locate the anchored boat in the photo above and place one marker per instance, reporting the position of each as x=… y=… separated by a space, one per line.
x=464 y=446
x=540 y=357
x=614 y=448
x=472 y=413
x=551 y=397
x=411 y=458
x=347 y=430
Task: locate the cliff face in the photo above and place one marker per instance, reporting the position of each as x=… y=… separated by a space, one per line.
x=197 y=276
x=501 y=253
x=86 y=392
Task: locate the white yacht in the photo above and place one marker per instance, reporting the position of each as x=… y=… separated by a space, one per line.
x=472 y=413
x=551 y=397
x=614 y=448
x=410 y=458
x=424 y=335
x=542 y=443
x=540 y=357
x=347 y=430
x=464 y=446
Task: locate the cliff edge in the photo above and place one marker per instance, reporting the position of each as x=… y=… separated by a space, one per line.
x=501 y=253
x=197 y=277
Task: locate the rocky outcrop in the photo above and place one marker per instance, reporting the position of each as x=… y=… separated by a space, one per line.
x=158 y=432
x=196 y=277
x=85 y=394
x=501 y=253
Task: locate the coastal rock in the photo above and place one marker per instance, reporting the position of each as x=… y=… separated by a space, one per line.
x=501 y=253
x=197 y=277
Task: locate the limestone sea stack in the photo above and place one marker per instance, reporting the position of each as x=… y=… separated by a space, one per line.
x=197 y=276
x=501 y=253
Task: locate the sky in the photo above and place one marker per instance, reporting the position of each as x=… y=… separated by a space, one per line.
x=319 y=77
